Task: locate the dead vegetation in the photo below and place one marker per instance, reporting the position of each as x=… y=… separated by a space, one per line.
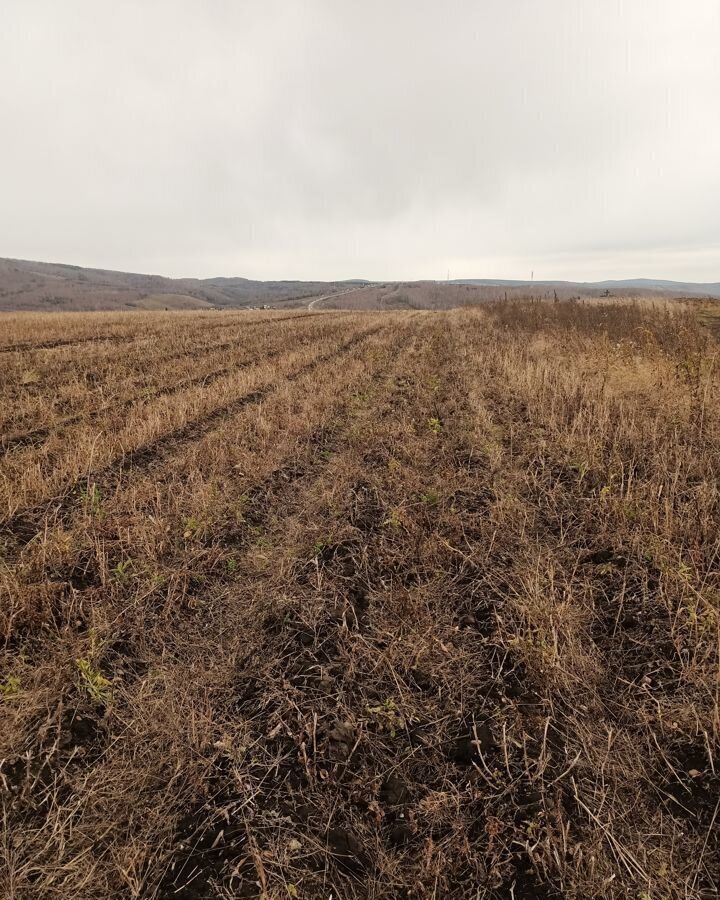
x=361 y=605
x=440 y=295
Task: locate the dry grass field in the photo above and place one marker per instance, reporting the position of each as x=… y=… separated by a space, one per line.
x=360 y=605
x=436 y=295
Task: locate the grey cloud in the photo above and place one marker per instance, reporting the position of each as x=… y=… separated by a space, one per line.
x=332 y=139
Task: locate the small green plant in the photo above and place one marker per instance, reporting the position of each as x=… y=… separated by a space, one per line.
x=701 y=615
x=631 y=512
x=191 y=528
x=580 y=467
x=607 y=488
x=435 y=425
x=387 y=717
x=94 y=682
x=393 y=518
x=123 y=570
x=231 y=566
x=262 y=541
x=429 y=498
x=10 y=687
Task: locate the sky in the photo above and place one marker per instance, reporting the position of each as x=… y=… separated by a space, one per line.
x=384 y=139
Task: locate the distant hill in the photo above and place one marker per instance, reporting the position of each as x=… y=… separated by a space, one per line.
x=26 y=285
x=593 y=288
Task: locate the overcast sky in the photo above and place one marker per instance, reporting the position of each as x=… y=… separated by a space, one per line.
x=363 y=138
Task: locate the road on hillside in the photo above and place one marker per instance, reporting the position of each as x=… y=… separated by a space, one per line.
x=311 y=304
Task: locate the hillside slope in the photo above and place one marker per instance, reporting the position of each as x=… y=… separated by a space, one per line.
x=36 y=286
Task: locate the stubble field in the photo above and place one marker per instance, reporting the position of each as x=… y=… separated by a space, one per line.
x=360 y=605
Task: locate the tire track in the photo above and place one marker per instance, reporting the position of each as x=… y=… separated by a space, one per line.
x=304 y=462
x=30 y=346
x=300 y=659
x=38 y=436
x=22 y=527
x=71 y=366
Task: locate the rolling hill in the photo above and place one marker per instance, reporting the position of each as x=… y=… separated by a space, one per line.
x=38 y=286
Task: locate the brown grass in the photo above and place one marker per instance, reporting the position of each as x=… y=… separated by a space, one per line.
x=361 y=605
x=441 y=295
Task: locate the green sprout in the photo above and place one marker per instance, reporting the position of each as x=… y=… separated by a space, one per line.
x=393 y=518
x=123 y=570
x=387 y=717
x=191 y=528
x=94 y=682
x=10 y=687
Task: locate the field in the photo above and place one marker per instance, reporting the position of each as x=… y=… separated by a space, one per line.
x=448 y=295
x=343 y=604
